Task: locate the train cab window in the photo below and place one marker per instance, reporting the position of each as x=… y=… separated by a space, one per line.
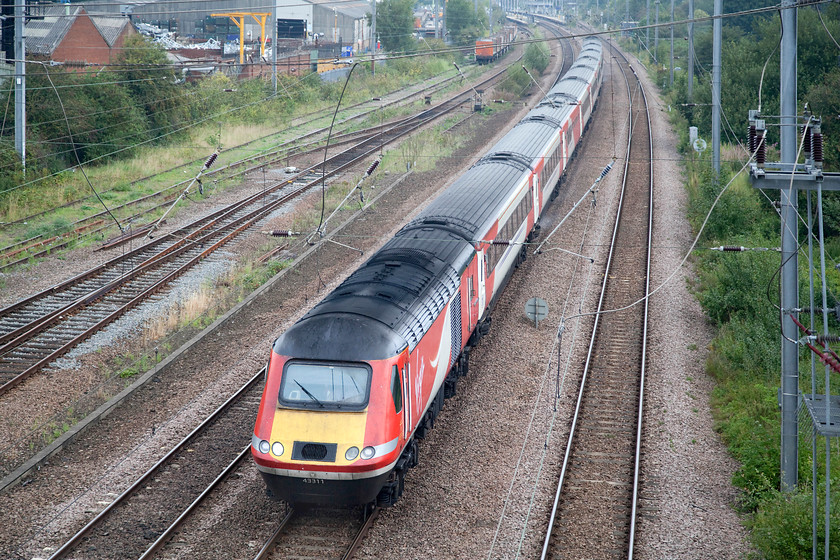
x=333 y=386
x=396 y=389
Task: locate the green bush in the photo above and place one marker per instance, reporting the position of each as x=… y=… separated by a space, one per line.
x=781 y=529
x=737 y=284
x=536 y=57
x=516 y=81
x=11 y=170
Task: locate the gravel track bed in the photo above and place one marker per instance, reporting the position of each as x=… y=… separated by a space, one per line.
x=105 y=459
x=487 y=474
x=687 y=499
x=479 y=491
x=133 y=525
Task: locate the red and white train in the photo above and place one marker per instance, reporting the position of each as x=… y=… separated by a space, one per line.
x=360 y=378
x=490 y=48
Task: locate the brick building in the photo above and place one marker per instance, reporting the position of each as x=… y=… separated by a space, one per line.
x=68 y=34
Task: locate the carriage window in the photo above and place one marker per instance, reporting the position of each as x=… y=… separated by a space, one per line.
x=325 y=386
x=396 y=389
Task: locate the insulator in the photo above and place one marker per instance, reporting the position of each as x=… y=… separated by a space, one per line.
x=819 y=310
x=499 y=242
x=828 y=338
x=751 y=139
x=372 y=168
x=806 y=144
x=817 y=148
x=761 y=152
x=210 y=160
x=282 y=233
x=730 y=248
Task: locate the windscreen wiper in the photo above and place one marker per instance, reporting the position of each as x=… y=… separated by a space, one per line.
x=310 y=395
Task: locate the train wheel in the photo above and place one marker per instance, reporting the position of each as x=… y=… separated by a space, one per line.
x=450 y=386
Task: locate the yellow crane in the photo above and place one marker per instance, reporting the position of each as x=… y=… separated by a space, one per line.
x=239 y=19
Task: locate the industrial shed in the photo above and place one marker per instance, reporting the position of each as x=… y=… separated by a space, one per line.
x=69 y=34
x=325 y=22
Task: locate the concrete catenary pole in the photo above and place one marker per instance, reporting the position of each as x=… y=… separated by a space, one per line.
x=789 y=277
x=656 y=34
x=443 y=31
x=716 y=46
x=671 y=78
x=20 y=84
x=373 y=38
x=274 y=47
x=690 y=92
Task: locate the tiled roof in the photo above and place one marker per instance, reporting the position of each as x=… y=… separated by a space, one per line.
x=44 y=35
x=110 y=27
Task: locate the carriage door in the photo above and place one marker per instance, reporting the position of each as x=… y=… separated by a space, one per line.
x=535 y=190
x=475 y=289
x=482 y=294
x=406 y=400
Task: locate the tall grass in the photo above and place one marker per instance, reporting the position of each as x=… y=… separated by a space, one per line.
x=260 y=114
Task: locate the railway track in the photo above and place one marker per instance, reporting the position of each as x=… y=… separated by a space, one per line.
x=319 y=533
x=43 y=327
x=100 y=223
x=138 y=522
x=594 y=509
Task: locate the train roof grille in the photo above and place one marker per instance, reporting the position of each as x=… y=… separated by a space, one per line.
x=542 y=119
x=516 y=159
x=401 y=255
x=558 y=97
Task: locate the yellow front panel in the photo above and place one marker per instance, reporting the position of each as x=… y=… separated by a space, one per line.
x=347 y=429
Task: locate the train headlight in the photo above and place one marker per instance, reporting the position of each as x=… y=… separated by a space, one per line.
x=351 y=453
x=368 y=452
x=265 y=447
x=277 y=448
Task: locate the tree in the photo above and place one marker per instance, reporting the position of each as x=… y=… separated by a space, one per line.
x=462 y=22
x=101 y=117
x=395 y=24
x=151 y=82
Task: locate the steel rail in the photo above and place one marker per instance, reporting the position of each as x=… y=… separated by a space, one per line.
x=643 y=375
x=338 y=162
x=64 y=549
x=369 y=513
x=363 y=531
x=595 y=330
x=269 y=545
x=167 y=534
